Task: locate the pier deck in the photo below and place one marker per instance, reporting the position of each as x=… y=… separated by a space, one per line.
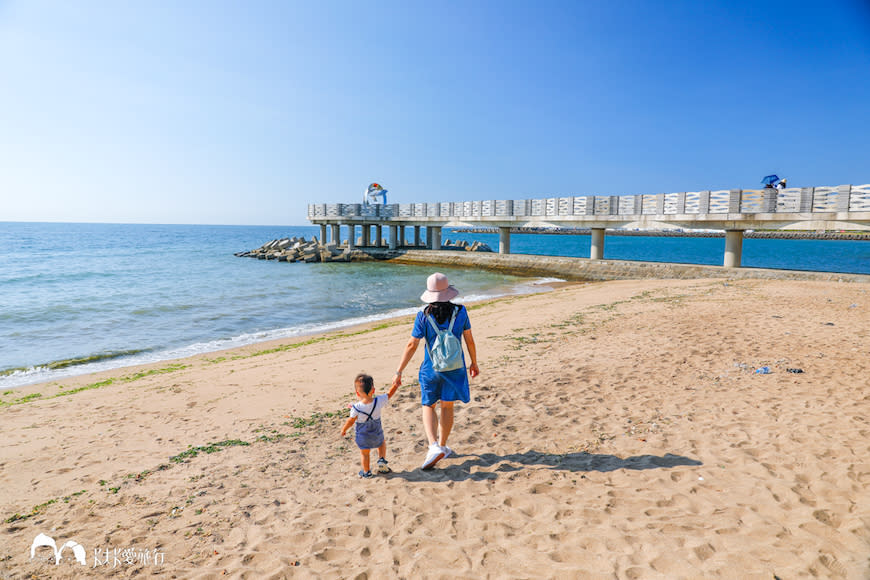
x=844 y=207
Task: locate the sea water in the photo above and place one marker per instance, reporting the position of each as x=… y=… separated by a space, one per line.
x=78 y=298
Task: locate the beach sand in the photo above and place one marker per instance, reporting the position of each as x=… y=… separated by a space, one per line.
x=617 y=430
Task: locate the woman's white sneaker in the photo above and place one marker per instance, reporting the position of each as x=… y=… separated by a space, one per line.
x=433 y=456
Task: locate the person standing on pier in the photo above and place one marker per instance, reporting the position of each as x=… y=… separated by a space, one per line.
x=447 y=386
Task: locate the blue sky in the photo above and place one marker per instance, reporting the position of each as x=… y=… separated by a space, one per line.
x=245 y=112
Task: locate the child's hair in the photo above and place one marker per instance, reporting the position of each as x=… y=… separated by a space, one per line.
x=365 y=382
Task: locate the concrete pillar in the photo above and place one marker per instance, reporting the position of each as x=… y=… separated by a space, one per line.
x=366 y=235
x=394 y=234
x=428 y=237
x=401 y=236
x=351 y=236
x=322 y=234
x=733 y=248
x=596 y=251
x=436 y=238
x=336 y=234
x=379 y=235
x=416 y=236
x=504 y=240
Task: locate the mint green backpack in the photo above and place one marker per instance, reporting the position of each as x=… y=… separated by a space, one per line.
x=446 y=350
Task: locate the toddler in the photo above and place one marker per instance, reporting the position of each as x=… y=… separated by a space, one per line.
x=367 y=416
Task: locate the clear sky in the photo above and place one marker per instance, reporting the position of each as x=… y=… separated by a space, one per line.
x=244 y=112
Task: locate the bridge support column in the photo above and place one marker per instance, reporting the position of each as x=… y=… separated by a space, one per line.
x=596 y=251
x=336 y=234
x=436 y=238
x=504 y=240
x=394 y=234
x=733 y=248
x=428 y=237
x=351 y=236
x=322 y=234
x=379 y=235
x=401 y=236
x=416 y=236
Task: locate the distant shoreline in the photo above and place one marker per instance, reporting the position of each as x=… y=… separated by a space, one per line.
x=773 y=235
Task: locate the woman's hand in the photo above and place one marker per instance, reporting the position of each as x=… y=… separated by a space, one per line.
x=473 y=370
x=397 y=380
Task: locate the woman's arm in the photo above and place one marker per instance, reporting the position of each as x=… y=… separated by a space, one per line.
x=472 y=352
x=410 y=349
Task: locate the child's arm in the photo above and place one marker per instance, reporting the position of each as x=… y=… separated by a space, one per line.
x=347 y=425
x=392 y=391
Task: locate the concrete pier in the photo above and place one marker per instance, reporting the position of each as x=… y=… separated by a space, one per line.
x=583 y=269
x=829 y=208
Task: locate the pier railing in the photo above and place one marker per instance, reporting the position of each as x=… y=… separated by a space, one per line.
x=842 y=198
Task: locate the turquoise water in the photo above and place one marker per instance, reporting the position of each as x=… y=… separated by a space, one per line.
x=78 y=298
x=87 y=297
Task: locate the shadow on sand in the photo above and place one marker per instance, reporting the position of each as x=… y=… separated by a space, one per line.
x=449 y=470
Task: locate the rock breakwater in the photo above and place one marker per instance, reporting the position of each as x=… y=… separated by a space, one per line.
x=298 y=250
x=302 y=250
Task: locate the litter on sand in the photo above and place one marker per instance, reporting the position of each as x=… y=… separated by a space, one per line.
x=762 y=371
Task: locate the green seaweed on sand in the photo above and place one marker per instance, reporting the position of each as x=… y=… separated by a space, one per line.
x=64 y=392
x=317 y=339
x=37 y=509
x=314 y=420
x=27 y=398
x=210 y=448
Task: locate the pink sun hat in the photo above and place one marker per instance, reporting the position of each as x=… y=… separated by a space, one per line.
x=438 y=289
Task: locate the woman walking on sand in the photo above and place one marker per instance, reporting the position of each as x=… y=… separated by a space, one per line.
x=447 y=386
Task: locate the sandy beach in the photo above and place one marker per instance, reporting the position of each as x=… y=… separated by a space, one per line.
x=617 y=430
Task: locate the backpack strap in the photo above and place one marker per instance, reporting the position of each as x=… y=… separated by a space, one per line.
x=453 y=319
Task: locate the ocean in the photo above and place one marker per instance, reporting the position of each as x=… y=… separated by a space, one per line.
x=80 y=298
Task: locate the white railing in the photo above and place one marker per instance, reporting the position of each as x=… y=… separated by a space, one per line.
x=843 y=198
